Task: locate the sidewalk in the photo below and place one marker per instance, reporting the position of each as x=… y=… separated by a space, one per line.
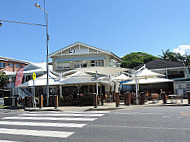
x=111 y=106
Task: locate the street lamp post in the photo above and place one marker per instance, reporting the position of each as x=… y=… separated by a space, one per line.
x=47 y=48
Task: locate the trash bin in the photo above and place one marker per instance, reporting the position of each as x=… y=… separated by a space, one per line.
x=8 y=101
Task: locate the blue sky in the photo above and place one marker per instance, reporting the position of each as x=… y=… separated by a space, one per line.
x=124 y=26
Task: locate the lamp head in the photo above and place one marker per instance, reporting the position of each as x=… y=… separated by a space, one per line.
x=37 y=5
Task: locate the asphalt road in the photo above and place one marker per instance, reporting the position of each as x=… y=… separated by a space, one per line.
x=140 y=124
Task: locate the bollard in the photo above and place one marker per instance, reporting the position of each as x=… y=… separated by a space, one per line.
x=113 y=96
x=188 y=97
x=40 y=101
x=164 y=98
x=26 y=101
x=29 y=101
x=56 y=101
x=125 y=98
x=128 y=98
x=16 y=101
x=117 y=99
x=78 y=100
x=51 y=102
x=95 y=101
x=102 y=99
x=141 y=98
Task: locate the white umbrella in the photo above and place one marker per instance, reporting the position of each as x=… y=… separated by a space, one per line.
x=121 y=77
x=148 y=73
x=148 y=81
x=41 y=81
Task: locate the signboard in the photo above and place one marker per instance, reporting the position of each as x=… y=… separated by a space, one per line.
x=78 y=51
x=34 y=76
x=19 y=77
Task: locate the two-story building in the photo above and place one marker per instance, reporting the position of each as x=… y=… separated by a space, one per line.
x=79 y=69
x=10 y=66
x=80 y=55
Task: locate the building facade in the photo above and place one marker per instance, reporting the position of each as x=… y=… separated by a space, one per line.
x=78 y=70
x=80 y=55
x=175 y=71
x=11 y=65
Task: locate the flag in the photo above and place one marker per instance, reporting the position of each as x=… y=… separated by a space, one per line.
x=19 y=77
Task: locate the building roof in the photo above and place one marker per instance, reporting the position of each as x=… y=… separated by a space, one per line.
x=77 y=43
x=7 y=59
x=161 y=64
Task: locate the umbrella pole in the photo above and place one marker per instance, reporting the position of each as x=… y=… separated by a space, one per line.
x=136 y=87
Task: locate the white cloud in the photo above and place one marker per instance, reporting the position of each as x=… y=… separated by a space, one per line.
x=182 y=49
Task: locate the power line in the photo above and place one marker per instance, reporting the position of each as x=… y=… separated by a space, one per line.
x=22 y=23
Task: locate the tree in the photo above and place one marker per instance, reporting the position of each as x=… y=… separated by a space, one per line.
x=177 y=57
x=135 y=59
x=169 y=55
x=4 y=79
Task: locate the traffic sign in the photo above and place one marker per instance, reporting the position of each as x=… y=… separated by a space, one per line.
x=34 y=76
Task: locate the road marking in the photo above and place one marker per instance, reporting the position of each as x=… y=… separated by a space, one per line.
x=137 y=113
x=40 y=124
x=80 y=112
x=8 y=141
x=62 y=114
x=52 y=118
x=129 y=127
x=39 y=133
x=185 y=113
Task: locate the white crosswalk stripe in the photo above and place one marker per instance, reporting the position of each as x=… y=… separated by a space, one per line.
x=66 y=120
x=52 y=118
x=8 y=141
x=80 y=112
x=40 y=133
x=41 y=124
x=64 y=114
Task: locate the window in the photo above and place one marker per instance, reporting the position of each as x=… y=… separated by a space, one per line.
x=63 y=65
x=93 y=63
x=2 y=65
x=10 y=64
x=17 y=66
x=97 y=63
x=78 y=64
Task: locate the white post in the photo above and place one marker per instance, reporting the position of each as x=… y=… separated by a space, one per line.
x=136 y=87
x=97 y=82
x=60 y=91
x=34 y=102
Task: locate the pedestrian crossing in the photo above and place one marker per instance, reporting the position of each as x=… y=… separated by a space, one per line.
x=51 y=124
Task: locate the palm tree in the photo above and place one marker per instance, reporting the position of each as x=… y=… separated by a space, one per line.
x=169 y=55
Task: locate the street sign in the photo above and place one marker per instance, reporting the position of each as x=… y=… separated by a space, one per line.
x=34 y=76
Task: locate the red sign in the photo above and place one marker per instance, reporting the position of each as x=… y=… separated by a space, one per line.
x=19 y=76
